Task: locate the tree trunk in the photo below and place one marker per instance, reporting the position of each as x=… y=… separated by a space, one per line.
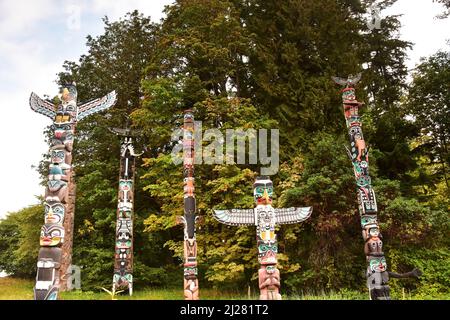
x=66 y=259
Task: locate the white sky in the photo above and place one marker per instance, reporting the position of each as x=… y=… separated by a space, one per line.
x=37 y=36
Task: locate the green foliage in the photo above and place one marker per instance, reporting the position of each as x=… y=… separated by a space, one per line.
x=429 y=104
x=257 y=64
x=19 y=241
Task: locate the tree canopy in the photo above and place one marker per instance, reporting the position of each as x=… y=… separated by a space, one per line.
x=257 y=65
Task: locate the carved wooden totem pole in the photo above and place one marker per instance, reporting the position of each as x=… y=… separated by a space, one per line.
x=377 y=274
x=55 y=254
x=265 y=217
x=123 y=258
x=190 y=218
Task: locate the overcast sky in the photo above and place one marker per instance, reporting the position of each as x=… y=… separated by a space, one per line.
x=37 y=36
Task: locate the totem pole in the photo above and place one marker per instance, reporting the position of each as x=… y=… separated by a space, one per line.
x=123 y=258
x=55 y=254
x=265 y=217
x=190 y=218
x=377 y=275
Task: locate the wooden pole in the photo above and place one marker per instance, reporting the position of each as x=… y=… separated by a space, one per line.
x=66 y=259
x=191 y=290
x=56 y=240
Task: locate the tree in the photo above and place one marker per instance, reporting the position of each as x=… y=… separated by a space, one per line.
x=429 y=104
x=446 y=4
x=200 y=64
x=329 y=247
x=115 y=61
x=19 y=241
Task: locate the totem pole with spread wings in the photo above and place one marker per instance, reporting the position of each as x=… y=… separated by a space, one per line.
x=55 y=254
x=265 y=218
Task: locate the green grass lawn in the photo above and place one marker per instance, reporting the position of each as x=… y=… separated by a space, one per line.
x=20 y=289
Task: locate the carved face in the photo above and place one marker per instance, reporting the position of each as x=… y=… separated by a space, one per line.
x=367 y=220
x=263 y=191
x=348 y=94
x=266 y=223
x=62 y=133
x=51 y=235
x=188 y=117
x=124 y=233
x=122 y=279
x=58 y=156
x=67 y=108
x=190 y=273
x=374 y=232
x=125 y=185
x=377 y=264
x=271 y=269
x=54 y=213
x=267 y=252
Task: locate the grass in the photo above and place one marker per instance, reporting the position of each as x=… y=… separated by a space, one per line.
x=15 y=289
x=21 y=289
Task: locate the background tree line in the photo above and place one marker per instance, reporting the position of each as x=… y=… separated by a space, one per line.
x=258 y=64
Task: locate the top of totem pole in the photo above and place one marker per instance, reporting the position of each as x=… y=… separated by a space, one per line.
x=350 y=82
x=67 y=111
x=128 y=134
x=263 y=190
x=188 y=115
x=348 y=93
x=127 y=131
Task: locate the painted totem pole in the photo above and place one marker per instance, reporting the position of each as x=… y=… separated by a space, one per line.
x=377 y=274
x=265 y=217
x=190 y=218
x=123 y=257
x=55 y=254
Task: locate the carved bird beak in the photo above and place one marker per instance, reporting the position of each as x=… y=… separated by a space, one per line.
x=266 y=197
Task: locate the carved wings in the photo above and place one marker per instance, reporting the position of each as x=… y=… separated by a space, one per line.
x=42 y=106
x=97 y=105
x=340 y=81
x=292 y=215
x=48 y=109
x=236 y=217
x=125 y=132
x=350 y=81
x=247 y=217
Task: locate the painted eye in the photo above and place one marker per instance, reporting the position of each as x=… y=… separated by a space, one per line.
x=56 y=233
x=58 y=209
